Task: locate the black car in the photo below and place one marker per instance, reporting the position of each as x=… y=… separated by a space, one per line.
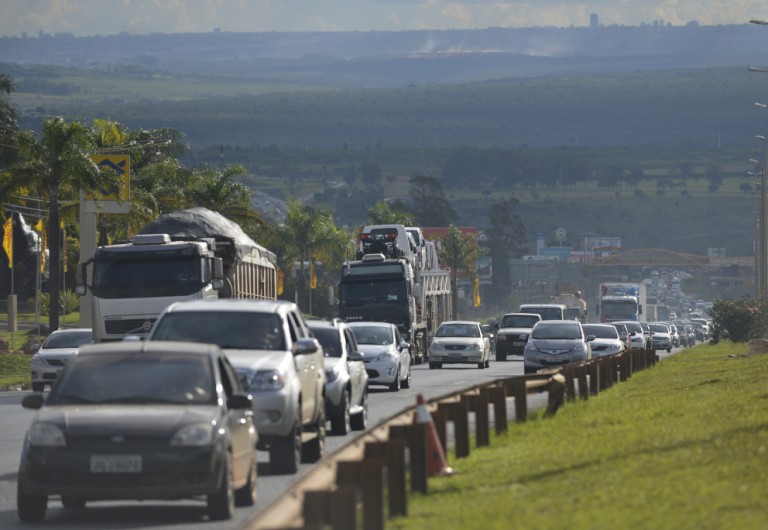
x=140 y=420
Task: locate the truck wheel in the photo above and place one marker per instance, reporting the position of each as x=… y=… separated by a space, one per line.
x=501 y=356
x=285 y=452
x=313 y=450
x=340 y=423
x=72 y=503
x=432 y=365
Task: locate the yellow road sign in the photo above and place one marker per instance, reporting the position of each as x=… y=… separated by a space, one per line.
x=120 y=164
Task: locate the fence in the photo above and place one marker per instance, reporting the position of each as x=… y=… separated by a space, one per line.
x=348 y=488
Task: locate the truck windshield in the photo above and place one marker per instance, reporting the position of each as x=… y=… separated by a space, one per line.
x=146 y=277
x=366 y=293
x=519 y=321
x=619 y=309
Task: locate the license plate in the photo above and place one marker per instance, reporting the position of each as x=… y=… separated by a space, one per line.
x=115 y=463
x=454 y=354
x=518 y=344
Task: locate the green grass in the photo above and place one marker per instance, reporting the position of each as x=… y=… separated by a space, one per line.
x=682 y=445
x=14 y=371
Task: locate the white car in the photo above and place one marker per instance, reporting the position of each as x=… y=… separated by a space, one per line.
x=54 y=353
x=387 y=355
x=460 y=342
x=607 y=340
x=636 y=334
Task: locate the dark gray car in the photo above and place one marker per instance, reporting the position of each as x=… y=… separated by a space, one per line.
x=131 y=420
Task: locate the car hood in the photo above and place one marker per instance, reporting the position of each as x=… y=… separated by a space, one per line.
x=55 y=353
x=371 y=350
x=468 y=341
x=258 y=359
x=113 y=420
x=554 y=344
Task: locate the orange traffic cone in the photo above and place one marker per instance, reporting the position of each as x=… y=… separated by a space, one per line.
x=436 y=463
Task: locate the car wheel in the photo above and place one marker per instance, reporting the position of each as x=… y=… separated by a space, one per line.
x=433 y=365
x=394 y=386
x=407 y=381
x=285 y=452
x=38 y=387
x=340 y=423
x=481 y=364
x=221 y=504
x=500 y=356
x=669 y=350
x=30 y=507
x=72 y=503
x=313 y=450
x=246 y=496
x=360 y=420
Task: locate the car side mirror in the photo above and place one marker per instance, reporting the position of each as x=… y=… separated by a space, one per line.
x=403 y=346
x=306 y=345
x=239 y=401
x=356 y=356
x=33 y=401
x=590 y=338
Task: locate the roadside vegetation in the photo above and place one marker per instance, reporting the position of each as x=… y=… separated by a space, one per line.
x=682 y=445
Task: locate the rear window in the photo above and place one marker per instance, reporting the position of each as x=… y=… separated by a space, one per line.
x=601 y=332
x=330 y=339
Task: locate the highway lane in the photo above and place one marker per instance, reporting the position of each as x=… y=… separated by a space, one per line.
x=191 y=514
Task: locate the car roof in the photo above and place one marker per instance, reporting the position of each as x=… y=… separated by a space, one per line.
x=230 y=304
x=369 y=323
x=71 y=330
x=461 y=322
x=331 y=324
x=139 y=347
x=521 y=314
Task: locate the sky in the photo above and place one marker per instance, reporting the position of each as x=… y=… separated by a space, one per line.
x=109 y=17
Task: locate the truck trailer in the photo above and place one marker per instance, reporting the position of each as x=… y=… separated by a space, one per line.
x=186 y=255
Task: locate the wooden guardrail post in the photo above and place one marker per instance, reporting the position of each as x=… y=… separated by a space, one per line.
x=392 y=452
x=461 y=427
x=581 y=374
x=520 y=392
x=594 y=378
x=556 y=389
x=335 y=508
x=499 y=397
x=623 y=368
x=482 y=424
x=373 y=504
x=569 y=372
x=416 y=437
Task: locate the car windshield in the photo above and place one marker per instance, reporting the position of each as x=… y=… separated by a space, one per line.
x=556 y=331
x=546 y=313
x=519 y=321
x=457 y=330
x=373 y=335
x=659 y=328
x=330 y=340
x=601 y=332
x=143 y=378
x=232 y=330
x=68 y=339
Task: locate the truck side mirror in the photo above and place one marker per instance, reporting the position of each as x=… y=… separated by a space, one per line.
x=218 y=269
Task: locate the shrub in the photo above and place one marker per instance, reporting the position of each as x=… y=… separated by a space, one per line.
x=739 y=320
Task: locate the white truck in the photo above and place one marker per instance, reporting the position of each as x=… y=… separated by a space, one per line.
x=576 y=306
x=622 y=301
x=186 y=255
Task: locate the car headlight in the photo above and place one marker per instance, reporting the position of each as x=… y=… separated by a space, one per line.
x=332 y=374
x=256 y=381
x=195 y=435
x=387 y=356
x=46 y=435
x=476 y=346
x=38 y=362
x=436 y=345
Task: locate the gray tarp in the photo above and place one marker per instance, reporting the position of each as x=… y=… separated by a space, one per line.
x=202 y=222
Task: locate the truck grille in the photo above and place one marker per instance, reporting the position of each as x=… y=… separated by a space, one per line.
x=133 y=326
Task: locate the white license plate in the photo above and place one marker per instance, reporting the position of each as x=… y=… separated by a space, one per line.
x=116 y=463
x=518 y=344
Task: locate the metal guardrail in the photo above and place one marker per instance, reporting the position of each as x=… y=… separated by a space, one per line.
x=347 y=487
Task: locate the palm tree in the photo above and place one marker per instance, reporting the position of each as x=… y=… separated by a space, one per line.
x=218 y=191
x=307 y=231
x=59 y=164
x=459 y=252
x=383 y=213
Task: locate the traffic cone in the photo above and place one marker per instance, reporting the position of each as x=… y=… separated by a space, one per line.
x=436 y=463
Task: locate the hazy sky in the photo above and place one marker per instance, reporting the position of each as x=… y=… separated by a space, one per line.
x=108 y=17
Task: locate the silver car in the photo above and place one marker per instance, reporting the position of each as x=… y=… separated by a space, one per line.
x=346 y=381
x=387 y=355
x=607 y=341
x=556 y=343
x=54 y=353
x=459 y=342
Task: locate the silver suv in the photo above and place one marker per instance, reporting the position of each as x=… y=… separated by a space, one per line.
x=277 y=360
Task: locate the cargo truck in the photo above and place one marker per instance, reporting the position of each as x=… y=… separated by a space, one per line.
x=186 y=255
x=621 y=301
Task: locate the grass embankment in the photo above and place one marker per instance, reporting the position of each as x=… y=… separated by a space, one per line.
x=682 y=445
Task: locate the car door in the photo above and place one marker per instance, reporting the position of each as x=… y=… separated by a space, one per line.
x=357 y=374
x=405 y=356
x=241 y=428
x=306 y=368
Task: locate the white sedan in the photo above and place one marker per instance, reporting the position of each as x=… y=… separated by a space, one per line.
x=460 y=342
x=387 y=355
